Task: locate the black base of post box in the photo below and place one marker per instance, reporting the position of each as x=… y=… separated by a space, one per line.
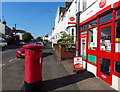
x=33 y=87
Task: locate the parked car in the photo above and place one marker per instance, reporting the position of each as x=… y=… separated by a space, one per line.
x=37 y=42
x=20 y=44
x=3 y=43
x=20 y=53
x=40 y=43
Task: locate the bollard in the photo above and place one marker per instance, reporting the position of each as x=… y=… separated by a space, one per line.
x=33 y=67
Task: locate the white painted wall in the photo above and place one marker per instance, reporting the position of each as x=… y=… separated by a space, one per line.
x=92 y=68
x=84 y=64
x=47 y=38
x=63 y=22
x=2 y=28
x=20 y=35
x=116 y=82
x=90 y=2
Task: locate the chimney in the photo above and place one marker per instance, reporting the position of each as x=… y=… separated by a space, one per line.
x=67 y=4
x=4 y=22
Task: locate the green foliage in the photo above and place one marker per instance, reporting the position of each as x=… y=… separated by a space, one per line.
x=27 y=37
x=39 y=39
x=66 y=40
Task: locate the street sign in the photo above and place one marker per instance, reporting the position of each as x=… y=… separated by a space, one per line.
x=77 y=63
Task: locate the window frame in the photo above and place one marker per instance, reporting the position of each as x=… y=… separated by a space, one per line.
x=114 y=72
x=105 y=15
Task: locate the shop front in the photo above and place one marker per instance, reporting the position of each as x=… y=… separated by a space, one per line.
x=100 y=40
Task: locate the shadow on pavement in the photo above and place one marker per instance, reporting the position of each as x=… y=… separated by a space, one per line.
x=47 y=54
x=53 y=84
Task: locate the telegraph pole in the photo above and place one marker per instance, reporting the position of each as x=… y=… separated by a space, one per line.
x=15 y=32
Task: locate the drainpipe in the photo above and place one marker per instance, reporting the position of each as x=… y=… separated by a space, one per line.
x=78 y=33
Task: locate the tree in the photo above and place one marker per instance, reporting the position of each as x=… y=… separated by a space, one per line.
x=27 y=37
x=66 y=39
x=39 y=39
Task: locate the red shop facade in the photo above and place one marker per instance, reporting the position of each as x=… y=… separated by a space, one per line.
x=100 y=40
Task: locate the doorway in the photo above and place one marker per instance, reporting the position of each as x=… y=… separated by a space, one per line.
x=104 y=53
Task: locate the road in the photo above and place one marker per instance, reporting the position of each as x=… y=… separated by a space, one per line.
x=12 y=70
x=55 y=76
x=53 y=70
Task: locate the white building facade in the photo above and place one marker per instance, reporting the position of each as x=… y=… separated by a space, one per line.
x=65 y=22
x=2 y=30
x=99 y=36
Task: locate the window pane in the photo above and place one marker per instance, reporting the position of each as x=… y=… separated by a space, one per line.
x=106 y=18
x=105 y=41
x=118 y=30
x=117 y=66
x=118 y=13
x=92 y=39
x=117 y=39
x=72 y=31
x=92 y=23
x=105 y=66
x=84 y=27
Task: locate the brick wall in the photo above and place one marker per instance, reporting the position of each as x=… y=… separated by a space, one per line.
x=61 y=53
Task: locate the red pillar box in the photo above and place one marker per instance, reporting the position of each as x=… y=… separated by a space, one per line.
x=33 y=67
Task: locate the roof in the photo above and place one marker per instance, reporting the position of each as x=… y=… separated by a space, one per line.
x=21 y=31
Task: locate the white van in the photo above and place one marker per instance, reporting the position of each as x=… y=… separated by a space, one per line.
x=3 y=43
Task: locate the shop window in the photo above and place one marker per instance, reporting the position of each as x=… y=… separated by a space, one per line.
x=118 y=13
x=105 y=41
x=92 y=23
x=84 y=27
x=92 y=39
x=118 y=30
x=106 y=18
x=117 y=66
x=117 y=39
x=105 y=66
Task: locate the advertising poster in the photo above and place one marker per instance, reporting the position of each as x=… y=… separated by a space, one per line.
x=77 y=63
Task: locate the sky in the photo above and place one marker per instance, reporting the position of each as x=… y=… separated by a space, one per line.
x=35 y=17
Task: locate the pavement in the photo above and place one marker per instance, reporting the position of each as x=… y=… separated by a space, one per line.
x=59 y=75
x=85 y=79
x=91 y=82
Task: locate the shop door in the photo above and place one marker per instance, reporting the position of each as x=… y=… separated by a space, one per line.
x=104 y=53
x=83 y=44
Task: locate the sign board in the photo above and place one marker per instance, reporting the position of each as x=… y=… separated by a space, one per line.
x=77 y=63
x=71 y=19
x=95 y=8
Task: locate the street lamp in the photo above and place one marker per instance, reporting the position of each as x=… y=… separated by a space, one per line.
x=15 y=32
